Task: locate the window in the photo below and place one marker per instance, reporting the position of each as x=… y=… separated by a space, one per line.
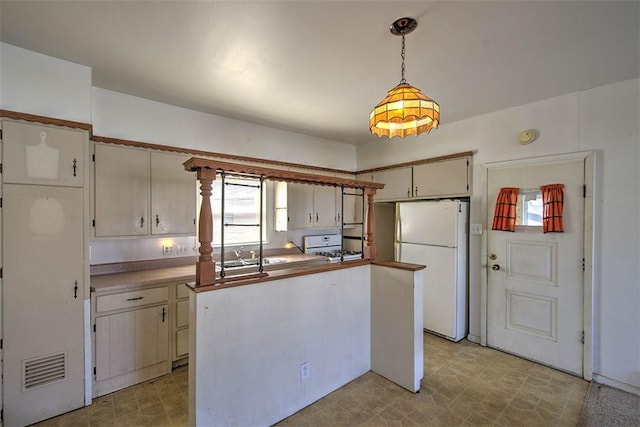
x=529 y=208
x=241 y=211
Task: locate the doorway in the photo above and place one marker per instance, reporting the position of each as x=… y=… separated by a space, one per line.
x=538 y=296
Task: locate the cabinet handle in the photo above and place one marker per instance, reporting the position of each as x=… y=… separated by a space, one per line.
x=416 y=190
x=75 y=165
x=157 y=221
x=163 y=314
x=316 y=216
x=309 y=217
x=141 y=221
x=338 y=217
x=75 y=289
x=134 y=299
x=408 y=192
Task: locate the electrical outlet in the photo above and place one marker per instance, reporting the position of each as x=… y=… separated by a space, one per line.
x=305 y=371
x=167 y=250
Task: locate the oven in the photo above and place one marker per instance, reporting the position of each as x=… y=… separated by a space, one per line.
x=330 y=246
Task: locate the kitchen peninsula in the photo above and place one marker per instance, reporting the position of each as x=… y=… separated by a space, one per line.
x=265 y=345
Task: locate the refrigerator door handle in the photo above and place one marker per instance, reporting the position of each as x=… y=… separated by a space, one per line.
x=398 y=228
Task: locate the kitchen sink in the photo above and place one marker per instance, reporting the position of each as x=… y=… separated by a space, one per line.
x=240 y=263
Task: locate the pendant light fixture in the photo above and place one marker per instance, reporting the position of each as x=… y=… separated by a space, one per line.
x=405 y=110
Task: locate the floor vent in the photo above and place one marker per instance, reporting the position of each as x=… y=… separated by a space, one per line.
x=44 y=370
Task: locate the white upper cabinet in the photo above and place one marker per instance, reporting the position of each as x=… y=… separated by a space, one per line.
x=324 y=206
x=299 y=206
x=43 y=155
x=436 y=179
x=121 y=191
x=141 y=192
x=445 y=178
x=173 y=195
x=307 y=206
x=397 y=183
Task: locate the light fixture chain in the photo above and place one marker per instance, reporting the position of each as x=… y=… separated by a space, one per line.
x=402 y=80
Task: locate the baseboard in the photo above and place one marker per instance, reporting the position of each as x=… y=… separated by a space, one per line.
x=617 y=384
x=473 y=338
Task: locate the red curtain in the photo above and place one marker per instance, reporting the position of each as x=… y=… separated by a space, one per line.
x=504 y=217
x=552 y=206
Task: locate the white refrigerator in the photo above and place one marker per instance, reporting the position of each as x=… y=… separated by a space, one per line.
x=434 y=233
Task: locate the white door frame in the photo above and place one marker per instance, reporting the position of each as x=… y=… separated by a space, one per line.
x=589 y=158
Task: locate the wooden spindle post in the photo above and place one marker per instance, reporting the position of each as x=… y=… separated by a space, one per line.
x=205 y=266
x=370 y=248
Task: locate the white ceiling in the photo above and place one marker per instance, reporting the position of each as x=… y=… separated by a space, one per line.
x=319 y=67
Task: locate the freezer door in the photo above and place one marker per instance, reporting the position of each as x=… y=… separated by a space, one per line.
x=442 y=311
x=429 y=223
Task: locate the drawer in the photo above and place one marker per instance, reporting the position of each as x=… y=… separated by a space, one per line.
x=182 y=343
x=131 y=299
x=182 y=291
x=182 y=314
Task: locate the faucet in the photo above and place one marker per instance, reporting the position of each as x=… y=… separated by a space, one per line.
x=238 y=253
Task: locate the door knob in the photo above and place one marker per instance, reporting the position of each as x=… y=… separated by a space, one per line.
x=495 y=267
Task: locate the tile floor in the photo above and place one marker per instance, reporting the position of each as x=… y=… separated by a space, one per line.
x=464 y=385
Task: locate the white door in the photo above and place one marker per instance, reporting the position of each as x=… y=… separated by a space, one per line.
x=535 y=280
x=42 y=319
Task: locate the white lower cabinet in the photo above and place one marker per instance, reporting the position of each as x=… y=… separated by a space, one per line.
x=181 y=325
x=131 y=338
x=139 y=335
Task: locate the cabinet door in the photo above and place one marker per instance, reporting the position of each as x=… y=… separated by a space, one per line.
x=42 y=302
x=397 y=184
x=182 y=343
x=152 y=336
x=324 y=202
x=121 y=191
x=115 y=345
x=300 y=205
x=131 y=340
x=44 y=155
x=173 y=195
x=445 y=178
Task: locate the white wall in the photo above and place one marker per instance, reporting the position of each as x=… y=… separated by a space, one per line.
x=246 y=350
x=117 y=115
x=38 y=84
x=604 y=120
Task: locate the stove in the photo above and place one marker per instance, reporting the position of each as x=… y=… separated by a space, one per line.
x=329 y=245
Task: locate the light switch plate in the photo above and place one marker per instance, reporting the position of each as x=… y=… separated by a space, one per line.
x=476 y=229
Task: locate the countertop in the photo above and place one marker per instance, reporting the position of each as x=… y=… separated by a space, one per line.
x=121 y=282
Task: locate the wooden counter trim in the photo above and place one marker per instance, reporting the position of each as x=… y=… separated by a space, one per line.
x=46 y=120
x=194 y=152
x=418 y=162
x=285 y=273
x=198 y=164
x=400 y=265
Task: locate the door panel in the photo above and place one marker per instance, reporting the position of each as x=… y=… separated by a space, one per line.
x=430 y=223
x=440 y=298
x=535 y=280
x=43 y=155
x=173 y=195
x=43 y=320
x=121 y=191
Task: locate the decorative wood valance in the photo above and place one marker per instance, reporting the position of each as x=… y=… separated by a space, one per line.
x=195 y=163
x=207 y=170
